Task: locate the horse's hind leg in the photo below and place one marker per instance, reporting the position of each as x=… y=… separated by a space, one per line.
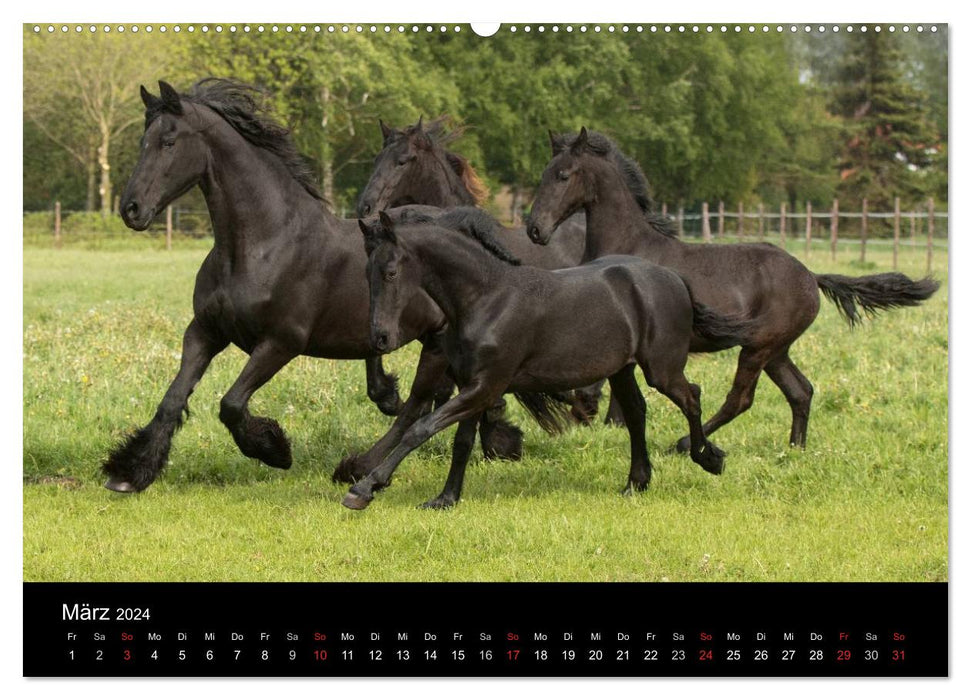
x=623 y=386
x=740 y=397
x=136 y=463
x=461 y=451
x=500 y=438
x=257 y=437
x=382 y=387
x=687 y=397
x=798 y=392
x=615 y=414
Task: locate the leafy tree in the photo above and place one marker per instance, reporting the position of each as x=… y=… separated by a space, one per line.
x=81 y=92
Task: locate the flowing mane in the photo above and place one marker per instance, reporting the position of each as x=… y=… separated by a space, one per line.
x=242 y=107
x=443 y=131
x=475 y=223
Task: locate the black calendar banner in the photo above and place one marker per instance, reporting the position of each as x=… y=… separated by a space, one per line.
x=479 y=629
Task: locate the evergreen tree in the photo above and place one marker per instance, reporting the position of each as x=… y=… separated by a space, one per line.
x=888 y=140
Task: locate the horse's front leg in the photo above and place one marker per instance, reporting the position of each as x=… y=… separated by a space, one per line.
x=256 y=436
x=137 y=462
x=466 y=406
x=432 y=366
x=382 y=387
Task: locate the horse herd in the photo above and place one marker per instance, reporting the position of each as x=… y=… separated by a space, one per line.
x=596 y=283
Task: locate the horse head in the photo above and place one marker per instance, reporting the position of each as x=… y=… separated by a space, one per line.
x=172 y=159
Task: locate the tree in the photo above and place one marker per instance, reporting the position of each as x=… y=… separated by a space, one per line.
x=888 y=141
x=81 y=92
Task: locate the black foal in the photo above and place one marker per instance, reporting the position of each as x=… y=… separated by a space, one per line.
x=514 y=328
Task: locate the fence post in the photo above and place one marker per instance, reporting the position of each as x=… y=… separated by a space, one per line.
x=913 y=230
x=664 y=210
x=809 y=226
x=57 y=224
x=680 y=221
x=705 y=224
x=721 y=219
x=168 y=227
x=761 y=222
x=834 y=224
x=741 y=218
x=896 y=229
x=863 y=225
x=930 y=233
x=782 y=225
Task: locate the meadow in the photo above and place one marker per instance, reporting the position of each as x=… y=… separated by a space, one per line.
x=866 y=501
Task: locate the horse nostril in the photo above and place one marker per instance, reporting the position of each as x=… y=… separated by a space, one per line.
x=131 y=209
x=380 y=341
x=365 y=209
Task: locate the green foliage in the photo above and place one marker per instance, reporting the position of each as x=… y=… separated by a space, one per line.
x=889 y=143
x=866 y=501
x=710 y=116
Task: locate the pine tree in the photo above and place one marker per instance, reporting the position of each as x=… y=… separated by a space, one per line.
x=889 y=142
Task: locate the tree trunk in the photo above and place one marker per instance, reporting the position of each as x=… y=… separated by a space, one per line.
x=326 y=156
x=104 y=190
x=92 y=173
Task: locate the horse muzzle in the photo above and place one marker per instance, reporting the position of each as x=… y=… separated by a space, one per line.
x=134 y=216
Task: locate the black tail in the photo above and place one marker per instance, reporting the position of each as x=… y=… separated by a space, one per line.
x=874 y=293
x=552 y=414
x=721 y=330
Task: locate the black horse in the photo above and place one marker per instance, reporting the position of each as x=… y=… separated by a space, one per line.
x=415 y=166
x=760 y=281
x=519 y=328
x=285 y=277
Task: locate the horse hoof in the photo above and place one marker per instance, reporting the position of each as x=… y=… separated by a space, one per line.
x=355 y=501
x=120 y=486
x=633 y=488
x=713 y=460
x=683 y=445
x=390 y=406
x=439 y=503
x=350 y=470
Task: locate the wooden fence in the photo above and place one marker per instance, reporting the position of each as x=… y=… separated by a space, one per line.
x=911 y=229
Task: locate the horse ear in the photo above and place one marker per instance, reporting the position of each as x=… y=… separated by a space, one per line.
x=170 y=98
x=148 y=98
x=387 y=227
x=557 y=143
x=420 y=138
x=581 y=141
x=386 y=132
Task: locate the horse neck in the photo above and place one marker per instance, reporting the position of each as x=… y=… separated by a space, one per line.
x=251 y=196
x=455 y=273
x=444 y=188
x=616 y=224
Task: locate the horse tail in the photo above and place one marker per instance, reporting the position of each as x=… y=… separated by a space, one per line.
x=547 y=409
x=874 y=293
x=722 y=330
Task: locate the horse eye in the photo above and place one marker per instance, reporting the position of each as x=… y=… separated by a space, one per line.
x=168 y=143
x=403 y=160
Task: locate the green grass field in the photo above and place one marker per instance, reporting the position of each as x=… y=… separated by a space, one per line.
x=866 y=501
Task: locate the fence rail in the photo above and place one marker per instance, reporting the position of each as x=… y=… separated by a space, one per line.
x=779 y=224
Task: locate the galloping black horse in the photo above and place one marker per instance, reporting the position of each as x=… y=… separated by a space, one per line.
x=415 y=166
x=762 y=282
x=519 y=328
x=285 y=277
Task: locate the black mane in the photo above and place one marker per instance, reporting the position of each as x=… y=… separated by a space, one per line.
x=630 y=171
x=242 y=107
x=473 y=222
